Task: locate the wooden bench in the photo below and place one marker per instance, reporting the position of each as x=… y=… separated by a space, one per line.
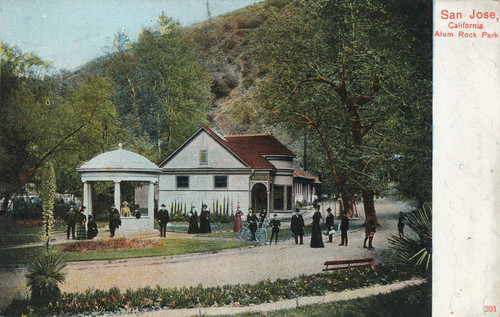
x=347 y=264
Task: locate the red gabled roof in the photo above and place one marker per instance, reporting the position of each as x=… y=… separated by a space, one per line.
x=252 y=148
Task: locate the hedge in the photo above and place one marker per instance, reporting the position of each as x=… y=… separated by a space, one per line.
x=148 y=298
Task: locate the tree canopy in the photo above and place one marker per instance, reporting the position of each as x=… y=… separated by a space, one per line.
x=358 y=71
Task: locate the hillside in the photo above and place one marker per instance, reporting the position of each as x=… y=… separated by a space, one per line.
x=224 y=47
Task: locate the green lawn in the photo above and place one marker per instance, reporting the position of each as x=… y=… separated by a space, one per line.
x=21 y=256
x=10 y=236
x=414 y=301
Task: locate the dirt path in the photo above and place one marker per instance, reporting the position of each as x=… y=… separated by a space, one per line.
x=235 y=266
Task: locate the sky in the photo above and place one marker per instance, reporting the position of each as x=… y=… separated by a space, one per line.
x=70 y=33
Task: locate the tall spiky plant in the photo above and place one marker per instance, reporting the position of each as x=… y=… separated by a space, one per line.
x=45 y=273
x=416 y=253
x=48 y=191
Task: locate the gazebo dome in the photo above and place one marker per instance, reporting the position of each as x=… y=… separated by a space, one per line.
x=119 y=160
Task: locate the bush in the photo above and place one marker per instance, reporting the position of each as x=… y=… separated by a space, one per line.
x=415 y=253
x=44 y=276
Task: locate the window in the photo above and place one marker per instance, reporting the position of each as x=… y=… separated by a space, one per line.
x=203 y=157
x=278 y=197
x=220 y=181
x=182 y=181
x=289 y=197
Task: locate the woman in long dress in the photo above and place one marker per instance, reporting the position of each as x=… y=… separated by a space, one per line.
x=81 y=232
x=316 y=238
x=205 y=220
x=193 y=221
x=238 y=224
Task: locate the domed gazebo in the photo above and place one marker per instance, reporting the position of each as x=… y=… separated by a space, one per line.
x=121 y=166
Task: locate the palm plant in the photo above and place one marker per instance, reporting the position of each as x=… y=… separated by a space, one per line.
x=44 y=276
x=416 y=253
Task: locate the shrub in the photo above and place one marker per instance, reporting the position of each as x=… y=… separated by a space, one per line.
x=244 y=294
x=415 y=253
x=45 y=274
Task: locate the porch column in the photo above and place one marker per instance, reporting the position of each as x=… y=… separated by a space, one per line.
x=117 y=195
x=151 y=205
x=268 y=200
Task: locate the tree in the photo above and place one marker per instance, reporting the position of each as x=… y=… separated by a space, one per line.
x=347 y=69
x=162 y=91
x=40 y=123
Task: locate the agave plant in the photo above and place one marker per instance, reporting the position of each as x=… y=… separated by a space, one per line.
x=45 y=274
x=415 y=252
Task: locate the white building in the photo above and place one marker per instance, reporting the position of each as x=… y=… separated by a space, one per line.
x=253 y=171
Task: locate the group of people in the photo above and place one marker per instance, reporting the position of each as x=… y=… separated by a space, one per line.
x=87 y=228
x=297 y=227
x=204 y=225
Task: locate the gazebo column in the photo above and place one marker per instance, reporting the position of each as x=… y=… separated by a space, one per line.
x=85 y=194
x=151 y=205
x=117 y=197
x=89 y=210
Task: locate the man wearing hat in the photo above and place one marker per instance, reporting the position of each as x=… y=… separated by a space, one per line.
x=252 y=222
x=275 y=224
x=297 y=226
x=329 y=224
x=114 y=220
x=163 y=219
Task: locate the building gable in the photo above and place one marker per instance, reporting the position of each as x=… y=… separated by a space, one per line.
x=189 y=155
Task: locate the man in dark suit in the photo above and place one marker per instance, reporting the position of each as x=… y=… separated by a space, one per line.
x=297 y=226
x=252 y=222
x=275 y=224
x=163 y=219
x=70 y=220
x=114 y=220
x=330 y=224
x=344 y=226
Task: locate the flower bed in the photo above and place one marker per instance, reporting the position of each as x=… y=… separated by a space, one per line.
x=115 y=244
x=92 y=301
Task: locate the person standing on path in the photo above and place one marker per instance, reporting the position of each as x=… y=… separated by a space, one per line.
x=401 y=224
x=70 y=220
x=205 y=220
x=275 y=225
x=297 y=226
x=114 y=220
x=316 y=238
x=252 y=223
x=344 y=226
x=193 y=221
x=238 y=224
x=81 y=232
x=330 y=223
x=369 y=233
x=262 y=218
x=163 y=219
